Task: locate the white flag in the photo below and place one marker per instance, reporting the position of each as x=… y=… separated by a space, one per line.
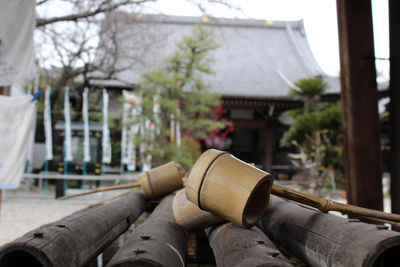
x=47 y=124
x=178 y=128
x=157 y=115
x=17 y=55
x=106 y=140
x=133 y=104
x=16 y=120
x=67 y=128
x=124 y=146
x=86 y=138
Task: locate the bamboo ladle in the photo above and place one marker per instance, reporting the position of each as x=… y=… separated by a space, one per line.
x=155 y=183
x=319 y=203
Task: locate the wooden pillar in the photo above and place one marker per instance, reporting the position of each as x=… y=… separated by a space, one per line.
x=362 y=154
x=4 y=90
x=394 y=26
x=269 y=148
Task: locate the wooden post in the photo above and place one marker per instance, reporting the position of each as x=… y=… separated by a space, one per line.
x=362 y=154
x=75 y=239
x=159 y=241
x=323 y=239
x=4 y=90
x=269 y=148
x=235 y=246
x=394 y=26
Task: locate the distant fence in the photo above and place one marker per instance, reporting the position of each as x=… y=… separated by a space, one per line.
x=55 y=175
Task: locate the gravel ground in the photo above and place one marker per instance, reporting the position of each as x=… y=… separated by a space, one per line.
x=20 y=213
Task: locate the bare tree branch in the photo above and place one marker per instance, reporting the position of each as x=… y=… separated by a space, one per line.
x=104 y=6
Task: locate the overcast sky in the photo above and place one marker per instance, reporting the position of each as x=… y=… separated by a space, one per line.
x=319 y=17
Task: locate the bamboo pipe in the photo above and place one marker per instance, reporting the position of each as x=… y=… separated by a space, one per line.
x=155 y=183
x=101 y=189
x=326 y=205
x=229 y=188
x=189 y=216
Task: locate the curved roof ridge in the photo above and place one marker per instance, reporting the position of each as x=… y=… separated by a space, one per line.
x=217 y=21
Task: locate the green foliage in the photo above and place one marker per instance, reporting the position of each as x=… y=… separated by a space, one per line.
x=179 y=88
x=316 y=130
x=309 y=87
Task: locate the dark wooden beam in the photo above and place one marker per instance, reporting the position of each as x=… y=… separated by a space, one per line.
x=362 y=154
x=76 y=239
x=159 y=241
x=249 y=124
x=236 y=246
x=269 y=148
x=394 y=29
x=323 y=239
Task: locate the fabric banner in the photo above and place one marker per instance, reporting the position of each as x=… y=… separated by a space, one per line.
x=32 y=133
x=157 y=115
x=178 y=128
x=16 y=121
x=86 y=137
x=47 y=124
x=17 y=57
x=131 y=125
x=67 y=128
x=124 y=132
x=106 y=140
x=148 y=131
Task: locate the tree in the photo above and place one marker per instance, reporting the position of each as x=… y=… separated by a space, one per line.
x=309 y=89
x=184 y=99
x=316 y=131
x=70 y=42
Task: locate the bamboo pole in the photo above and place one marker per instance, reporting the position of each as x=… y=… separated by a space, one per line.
x=155 y=183
x=106 y=200
x=326 y=205
x=102 y=189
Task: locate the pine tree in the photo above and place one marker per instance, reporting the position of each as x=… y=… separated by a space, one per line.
x=316 y=130
x=184 y=99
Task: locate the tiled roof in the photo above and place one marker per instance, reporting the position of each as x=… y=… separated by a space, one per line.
x=256 y=58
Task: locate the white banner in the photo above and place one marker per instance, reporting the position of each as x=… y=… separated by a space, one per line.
x=86 y=137
x=17 y=57
x=133 y=105
x=47 y=124
x=16 y=121
x=178 y=128
x=32 y=133
x=157 y=115
x=106 y=140
x=67 y=128
x=124 y=145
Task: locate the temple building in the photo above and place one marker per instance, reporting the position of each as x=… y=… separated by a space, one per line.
x=256 y=64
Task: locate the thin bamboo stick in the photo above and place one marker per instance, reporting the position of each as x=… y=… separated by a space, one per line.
x=326 y=205
x=108 y=199
x=102 y=189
